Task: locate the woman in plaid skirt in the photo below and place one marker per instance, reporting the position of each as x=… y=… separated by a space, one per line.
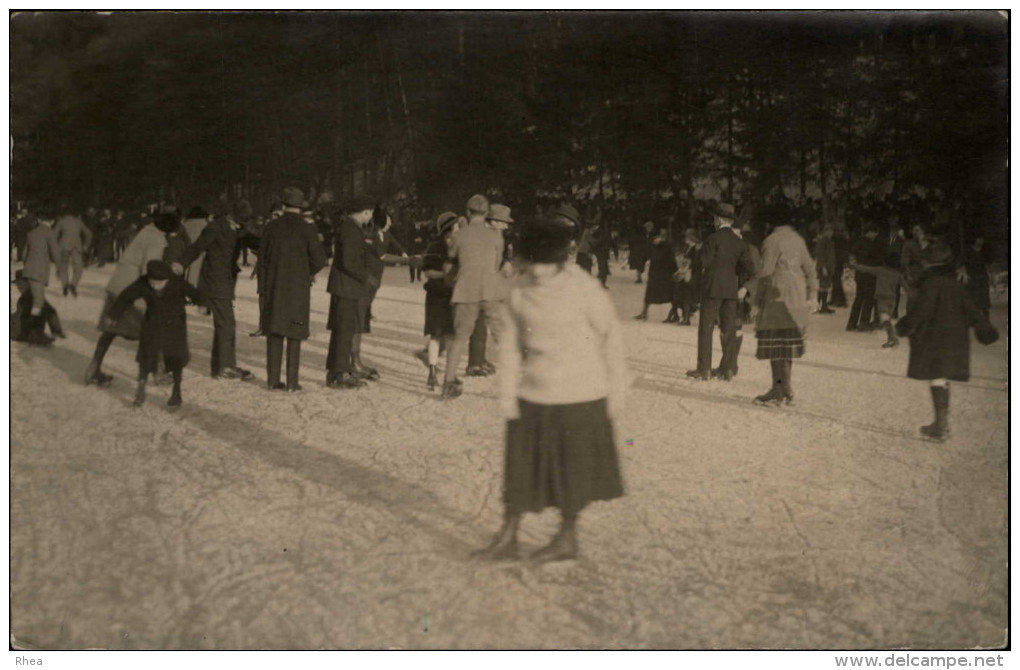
x=786 y=294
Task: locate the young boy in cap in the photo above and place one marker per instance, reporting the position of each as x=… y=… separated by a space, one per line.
x=164 y=332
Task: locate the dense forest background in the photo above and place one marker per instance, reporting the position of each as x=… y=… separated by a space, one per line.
x=655 y=109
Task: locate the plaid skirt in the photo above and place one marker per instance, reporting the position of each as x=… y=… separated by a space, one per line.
x=560 y=456
x=782 y=344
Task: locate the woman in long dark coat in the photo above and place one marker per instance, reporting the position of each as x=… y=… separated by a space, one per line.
x=438 y=291
x=938 y=324
x=661 y=267
x=639 y=249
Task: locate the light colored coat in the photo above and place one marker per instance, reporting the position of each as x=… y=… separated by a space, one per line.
x=786 y=280
x=40 y=250
x=148 y=245
x=479 y=253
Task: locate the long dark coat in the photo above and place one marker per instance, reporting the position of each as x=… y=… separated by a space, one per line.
x=289 y=256
x=660 y=275
x=640 y=249
x=938 y=325
x=165 y=325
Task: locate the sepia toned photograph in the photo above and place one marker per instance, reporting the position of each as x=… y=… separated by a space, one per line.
x=509 y=330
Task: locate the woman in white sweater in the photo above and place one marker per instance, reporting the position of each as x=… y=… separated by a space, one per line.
x=562 y=380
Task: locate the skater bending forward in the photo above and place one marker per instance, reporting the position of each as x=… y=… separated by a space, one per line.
x=164 y=327
x=938 y=324
x=562 y=381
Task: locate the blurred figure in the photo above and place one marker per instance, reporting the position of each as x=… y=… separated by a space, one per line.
x=74 y=239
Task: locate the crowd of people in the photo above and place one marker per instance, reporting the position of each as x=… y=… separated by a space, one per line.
x=529 y=286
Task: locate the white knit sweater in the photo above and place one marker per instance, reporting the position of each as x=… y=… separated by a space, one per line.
x=561 y=340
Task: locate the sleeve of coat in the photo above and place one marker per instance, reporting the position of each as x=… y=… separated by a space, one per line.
x=126 y=297
x=353 y=265
x=509 y=359
x=769 y=257
x=807 y=266
x=53 y=247
x=920 y=311
x=746 y=262
x=316 y=252
x=708 y=252
x=198 y=247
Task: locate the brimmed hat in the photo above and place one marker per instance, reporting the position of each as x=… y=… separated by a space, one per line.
x=444 y=221
x=197 y=213
x=725 y=210
x=500 y=213
x=157 y=269
x=567 y=212
x=294 y=197
x=478 y=203
x=937 y=254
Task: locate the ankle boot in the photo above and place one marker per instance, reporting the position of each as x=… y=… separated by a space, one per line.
x=451 y=390
x=36 y=333
x=672 y=316
x=892 y=340
x=175 y=397
x=503 y=545
x=433 y=380
x=562 y=548
x=939 y=430
x=139 y=394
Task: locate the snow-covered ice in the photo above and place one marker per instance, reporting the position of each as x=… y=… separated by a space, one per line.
x=339 y=519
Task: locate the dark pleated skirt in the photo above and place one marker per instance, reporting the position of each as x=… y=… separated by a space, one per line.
x=438 y=314
x=128 y=325
x=560 y=456
x=782 y=344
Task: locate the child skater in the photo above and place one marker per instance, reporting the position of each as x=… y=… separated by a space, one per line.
x=164 y=327
x=438 y=291
x=888 y=281
x=562 y=380
x=938 y=324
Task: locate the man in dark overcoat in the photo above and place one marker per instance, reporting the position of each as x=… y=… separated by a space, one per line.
x=219 y=242
x=866 y=251
x=289 y=257
x=724 y=255
x=352 y=282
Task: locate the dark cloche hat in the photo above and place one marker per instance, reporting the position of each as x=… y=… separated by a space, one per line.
x=157 y=269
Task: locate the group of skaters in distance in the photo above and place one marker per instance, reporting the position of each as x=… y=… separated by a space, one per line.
x=529 y=286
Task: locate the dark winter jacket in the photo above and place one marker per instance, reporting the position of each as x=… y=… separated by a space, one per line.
x=353 y=263
x=724 y=255
x=938 y=325
x=218 y=241
x=289 y=256
x=165 y=325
